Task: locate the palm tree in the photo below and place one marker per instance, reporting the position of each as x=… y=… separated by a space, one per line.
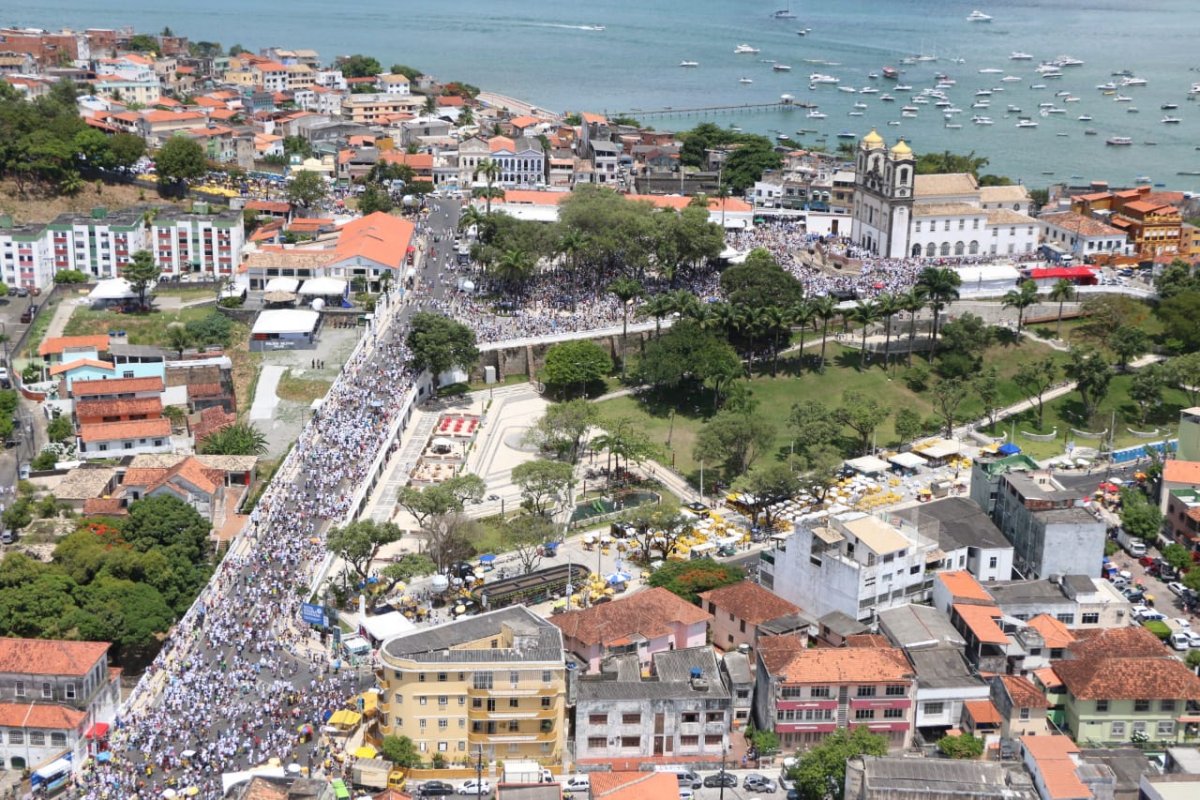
x=704 y=315
x=775 y=322
x=866 y=314
x=178 y=338
x=430 y=106
x=513 y=266
x=470 y=217
x=467 y=117
x=490 y=170
x=1021 y=298
x=801 y=315
x=889 y=306
x=658 y=306
x=625 y=289
x=1061 y=292
x=684 y=302
x=238 y=439
x=571 y=245
x=940 y=285
x=912 y=302
x=825 y=308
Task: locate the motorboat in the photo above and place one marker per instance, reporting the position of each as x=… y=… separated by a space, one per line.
x=1118 y=141
x=981 y=104
x=1107 y=86
x=1084 y=118
x=951 y=111
x=848 y=89
x=689 y=63
x=990 y=71
x=983 y=93
x=804 y=32
x=814 y=114
x=891 y=73
x=1056 y=110
x=1169 y=106
x=784 y=13
x=921 y=101
x=592 y=28
x=745 y=80
x=818 y=77
x=1169 y=120
x=1133 y=81
x=1017 y=55
x=1090 y=132
x=909 y=114
x=1012 y=109
x=745 y=49
x=1143 y=179
x=1131 y=110
x=886 y=98
x=1037 y=86
x=1070 y=99
x=953 y=125
x=1122 y=98
x=781 y=67
x=1026 y=123
x=854 y=113
x=894 y=122
x=868 y=90
x=847 y=135
x=860 y=105
x=873 y=76
x=903 y=87
x=1011 y=79
x=978 y=16
x=1067 y=61
x=982 y=120
x=1063 y=93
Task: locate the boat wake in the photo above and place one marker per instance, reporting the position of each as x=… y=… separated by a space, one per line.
x=567 y=27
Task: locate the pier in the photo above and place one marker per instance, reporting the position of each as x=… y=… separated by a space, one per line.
x=701 y=111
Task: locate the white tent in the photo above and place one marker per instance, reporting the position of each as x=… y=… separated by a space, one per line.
x=289 y=285
x=907 y=460
x=112 y=289
x=867 y=465
x=323 y=287
x=385 y=626
x=940 y=449
x=988 y=279
x=285 y=322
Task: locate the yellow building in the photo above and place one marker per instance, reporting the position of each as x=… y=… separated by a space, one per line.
x=494 y=684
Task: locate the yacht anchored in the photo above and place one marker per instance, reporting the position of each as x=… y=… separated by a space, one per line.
x=847 y=135
x=1013 y=109
x=1169 y=106
x=868 y=90
x=689 y=63
x=1108 y=86
x=814 y=114
x=745 y=48
x=1084 y=118
x=860 y=105
x=891 y=73
x=1169 y=120
x=904 y=87
x=887 y=98
x=818 y=77
x=745 y=80
x=848 y=89
x=982 y=120
x=1119 y=141
x=978 y=16
x=781 y=67
x=1026 y=123
x=1017 y=55
x=1121 y=98
x=953 y=125
x=990 y=71
x=784 y=13
x=1133 y=81
x=1011 y=79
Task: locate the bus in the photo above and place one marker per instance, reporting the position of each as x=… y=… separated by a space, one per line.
x=52 y=778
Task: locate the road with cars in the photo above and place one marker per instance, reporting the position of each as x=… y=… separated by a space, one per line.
x=740 y=784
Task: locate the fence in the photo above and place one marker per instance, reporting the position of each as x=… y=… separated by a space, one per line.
x=1127 y=454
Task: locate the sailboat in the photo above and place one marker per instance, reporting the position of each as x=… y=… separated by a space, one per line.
x=784 y=13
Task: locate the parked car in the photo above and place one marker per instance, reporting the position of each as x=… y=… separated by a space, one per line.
x=5 y=380
x=436 y=789
x=688 y=778
x=759 y=783
x=27 y=315
x=1146 y=561
x=22 y=291
x=577 y=783
x=1193 y=639
x=477 y=787
x=1180 y=641
x=1152 y=616
x=721 y=778
x=1176 y=588
x=1181 y=624
x=686 y=792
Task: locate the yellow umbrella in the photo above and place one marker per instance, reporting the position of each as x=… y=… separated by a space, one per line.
x=192 y=791
x=366 y=751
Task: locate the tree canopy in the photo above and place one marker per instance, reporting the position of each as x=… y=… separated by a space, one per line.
x=562 y=428
x=760 y=282
x=820 y=771
x=439 y=343
x=572 y=366
x=688 y=578
x=180 y=159
x=543 y=483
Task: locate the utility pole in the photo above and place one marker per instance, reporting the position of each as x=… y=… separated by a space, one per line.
x=479 y=773
x=724 y=750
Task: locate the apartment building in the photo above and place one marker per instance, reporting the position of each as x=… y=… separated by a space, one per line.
x=853 y=563
x=1051 y=533
x=99 y=244
x=493 y=684
x=681 y=712
x=53 y=694
x=24 y=255
x=199 y=244
x=804 y=694
x=367 y=109
x=738 y=611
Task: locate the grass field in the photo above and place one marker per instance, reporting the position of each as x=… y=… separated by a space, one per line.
x=673 y=422
x=302 y=390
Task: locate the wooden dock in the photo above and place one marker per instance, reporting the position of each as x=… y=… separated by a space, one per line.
x=701 y=111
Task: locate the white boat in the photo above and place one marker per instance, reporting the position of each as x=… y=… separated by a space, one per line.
x=1109 y=86
x=1131 y=110
x=814 y=114
x=818 y=77
x=921 y=101
x=983 y=93
x=982 y=120
x=873 y=76
x=990 y=71
x=1011 y=79
x=893 y=122
x=926 y=59
x=1037 y=86
x=848 y=89
x=804 y=32
x=1026 y=123
x=745 y=48
x=847 y=135
x=1070 y=99
x=904 y=87
x=1133 y=81
x=860 y=105
x=886 y=98
x=1169 y=120
x=1195 y=89
x=868 y=90
x=592 y=27
x=854 y=113
x=1119 y=141
x=909 y=114
x=1122 y=98
x=981 y=104
x=953 y=125
x=1169 y=106
x=745 y=80
x=1013 y=109
x=978 y=16
x=784 y=13
x=1017 y=55
x=1067 y=61
x=689 y=63
x=951 y=111
x=1056 y=110
x=1084 y=118
x=781 y=67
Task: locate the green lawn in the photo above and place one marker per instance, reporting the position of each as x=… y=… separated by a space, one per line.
x=674 y=434
x=1065 y=413
x=149 y=328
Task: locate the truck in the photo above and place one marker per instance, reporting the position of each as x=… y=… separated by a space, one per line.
x=378 y=773
x=526 y=771
x=1133 y=545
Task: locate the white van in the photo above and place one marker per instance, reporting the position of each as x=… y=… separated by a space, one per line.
x=686 y=776
x=577 y=783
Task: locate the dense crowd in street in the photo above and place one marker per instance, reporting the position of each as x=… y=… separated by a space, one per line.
x=237 y=681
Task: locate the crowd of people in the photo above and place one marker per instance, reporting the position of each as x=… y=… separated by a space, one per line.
x=238 y=683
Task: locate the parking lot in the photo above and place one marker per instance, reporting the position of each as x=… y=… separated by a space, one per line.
x=574 y=789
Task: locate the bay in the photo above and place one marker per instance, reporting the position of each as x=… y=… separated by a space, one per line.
x=543 y=52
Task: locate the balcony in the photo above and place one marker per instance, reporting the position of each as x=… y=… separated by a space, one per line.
x=509 y=737
x=508 y=690
x=516 y=713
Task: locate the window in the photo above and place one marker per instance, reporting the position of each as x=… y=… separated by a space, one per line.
x=714 y=716
x=1166 y=728
x=483 y=680
x=514 y=677
x=476 y=702
x=1024 y=715
x=597 y=743
x=714 y=739
x=514 y=702
x=514 y=726
x=1090 y=618
x=597 y=719
x=689 y=716
x=631 y=741
x=1101 y=706
x=993 y=562
x=546 y=676
x=442 y=747
x=443 y=724
x=917 y=226
x=422 y=700
x=421 y=724
x=864 y=713
x=462 y=701
x=631 y=719
x=20 y=689
x=893 y=713
x=933 y=709
x=47 y=690
x=1065 y=618
x=547 y=702
x=866 y=691
x=443 y=700
x=16 y=737
x=441 y=677
x=37 y=738
x=896 y=690
x=1141 y=706
x=689 y=741
x=1166 y=705
x=420 y=677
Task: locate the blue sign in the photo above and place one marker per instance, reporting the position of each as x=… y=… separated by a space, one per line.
x=313 y=614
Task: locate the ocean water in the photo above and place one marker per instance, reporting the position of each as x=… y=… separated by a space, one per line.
x=540 y=51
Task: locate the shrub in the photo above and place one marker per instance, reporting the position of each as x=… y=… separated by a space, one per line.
x=1158 y=628
x=44 y=460
x=916 y=378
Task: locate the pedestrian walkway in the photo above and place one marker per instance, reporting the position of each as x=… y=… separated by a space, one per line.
x=383 y=505
x=265 y=399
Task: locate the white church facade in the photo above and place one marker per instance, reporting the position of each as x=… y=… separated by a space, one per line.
x=899 y=214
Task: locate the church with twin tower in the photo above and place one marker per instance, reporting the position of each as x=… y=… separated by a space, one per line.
x=900 y=214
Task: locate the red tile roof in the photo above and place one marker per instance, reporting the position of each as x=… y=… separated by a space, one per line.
x=1128 y=678
x=67 y=366
x=788 y=658
x=1176 y=471
x=126 y=407
x=983 y=712
x=1130 y=640
x=748 y=601
x=963 y=586
x=57 y=344
x=36 y=715
x=647 y=614
x=1023 y=693
x=634 y=786
x=49 y=656
x=981 y=621
x=115 y=386
x=189 y=469
x=1052 y=756
x=104 y=507
x=1054 y=632
x=378 y=237
x=136 y=429
x=212 y=419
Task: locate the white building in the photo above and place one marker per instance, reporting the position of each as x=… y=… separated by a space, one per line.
x=201 y=244
x=898 y=214
x=1083 y=236
x=965 y=534
x=853 y=563
x=393 y=84
x=98 y=245
x=25 y=255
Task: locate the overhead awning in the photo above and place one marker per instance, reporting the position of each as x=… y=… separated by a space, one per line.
x=112 y=289
x=323 y=287
x=282 y=285
x=98 y=731
x=907 y=460
x=867 y=465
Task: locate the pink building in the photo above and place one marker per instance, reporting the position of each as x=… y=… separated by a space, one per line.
x=738 y=610
x=804 y=694
x=645 y=623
